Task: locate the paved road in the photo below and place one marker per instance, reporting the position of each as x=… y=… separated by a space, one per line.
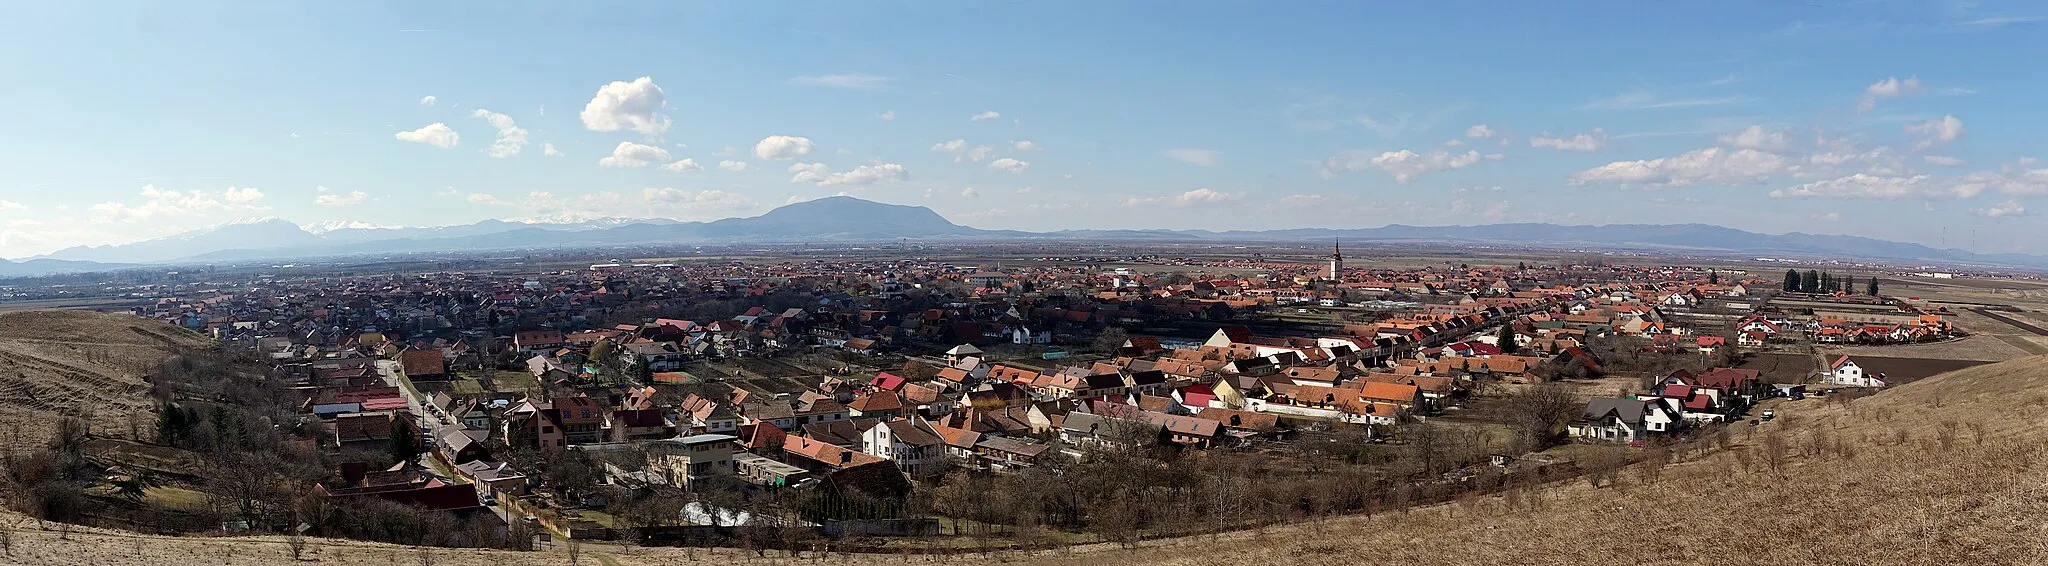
x=388 y=369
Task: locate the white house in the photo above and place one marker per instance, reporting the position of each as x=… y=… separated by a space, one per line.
x=916 y=450
x=1609 y=419
x=1845 y=372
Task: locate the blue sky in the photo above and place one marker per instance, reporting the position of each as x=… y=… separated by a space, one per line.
x=1912 y=121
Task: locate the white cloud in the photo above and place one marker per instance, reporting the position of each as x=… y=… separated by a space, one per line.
x=634 y=106
x=807 y=172
x=1705 y=166
x=686 y=165
x=969 y=192
x=1202 y=157
x=160 y=204
x=1866 y=186
x=1890 y=87
x=855 y=81
x=888 y=115
x=1827 y=217
x=1008 y=165
x=734 y=166
x=428 y=100
x=2002 y=210
x=242 y=195
x=962 y=153
x=783 y=147
x=1942 y=160
x=1479 y=132
x=1586 y=142
x=436 y=134
x=819 y=174
x=511 y=137
x=549 y=150
x=1404 y=165
x=1199 y=196
x=2016 y=179
x=629 y=154
x=1754 y=137
x=333 y=199
x=1935 y=132
x=985 y=116
x=9 y=206
x=1024 y=145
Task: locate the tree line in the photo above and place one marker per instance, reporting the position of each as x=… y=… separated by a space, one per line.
x=1813 y=281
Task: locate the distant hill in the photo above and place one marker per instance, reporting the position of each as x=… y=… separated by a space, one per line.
x=848 y=219
x=51 y=266
x=264 y=234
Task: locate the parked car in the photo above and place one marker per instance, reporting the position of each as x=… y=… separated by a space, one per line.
x=1769 y=414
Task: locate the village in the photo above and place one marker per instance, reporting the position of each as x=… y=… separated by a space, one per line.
x=679 y=403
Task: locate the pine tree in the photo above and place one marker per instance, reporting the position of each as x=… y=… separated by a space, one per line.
x=1827 y=282
x=1811 y=282
x=1507 y=339
x=1713 y=277
x=1849 y=285
x=404 y=446
x=1873 y=286
x=1791 y=280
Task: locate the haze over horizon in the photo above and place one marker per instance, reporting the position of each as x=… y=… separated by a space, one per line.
x=1867 y=118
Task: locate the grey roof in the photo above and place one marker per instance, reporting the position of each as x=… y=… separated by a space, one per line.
x=908 y=433
x=1629 y=410
x=706 y=438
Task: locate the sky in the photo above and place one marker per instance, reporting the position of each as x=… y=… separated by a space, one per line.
x=1910 y=121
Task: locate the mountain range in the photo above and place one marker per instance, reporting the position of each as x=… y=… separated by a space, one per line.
x=848 y=219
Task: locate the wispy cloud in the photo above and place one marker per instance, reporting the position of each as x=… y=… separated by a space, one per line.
x=856 y=81
x=1645 y=100
x=2001 y=21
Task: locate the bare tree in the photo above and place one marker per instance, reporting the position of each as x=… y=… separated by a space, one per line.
x=1776 y=451
x=1652 y=467
x=1537 y=414
x=1110 y=340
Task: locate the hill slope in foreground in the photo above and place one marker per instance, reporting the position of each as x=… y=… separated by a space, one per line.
x=80 y=363
x=1950 y=469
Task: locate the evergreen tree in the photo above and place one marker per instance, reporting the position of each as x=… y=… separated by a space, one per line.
x=1713 y=277
x=1849 y=285
x=1791 y=280
x=1811 y=282
x=1507 y=339
x=404 y=446
x=1827 y=282
x=1873 y=286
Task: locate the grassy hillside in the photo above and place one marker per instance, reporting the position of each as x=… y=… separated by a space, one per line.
x=80 y=363
x=1946 y=470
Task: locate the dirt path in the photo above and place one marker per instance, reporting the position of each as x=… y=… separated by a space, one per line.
x=2022 y=325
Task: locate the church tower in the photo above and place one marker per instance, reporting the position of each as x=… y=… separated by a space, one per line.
x=1337 y=262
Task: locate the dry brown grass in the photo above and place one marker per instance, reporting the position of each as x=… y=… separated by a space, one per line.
x=1951 y=469
x=74 y=362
